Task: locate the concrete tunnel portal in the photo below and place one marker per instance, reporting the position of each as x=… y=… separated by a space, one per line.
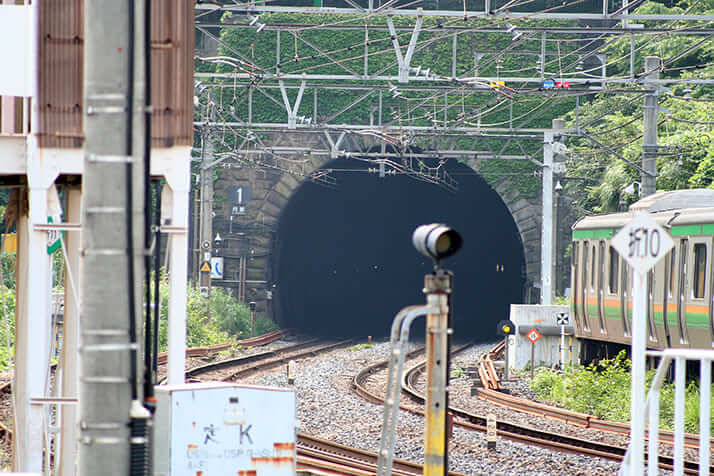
x=344 y=264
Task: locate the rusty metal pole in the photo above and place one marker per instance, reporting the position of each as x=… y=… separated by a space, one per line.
x=437 y=287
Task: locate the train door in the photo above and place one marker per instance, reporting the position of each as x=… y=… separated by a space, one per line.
x=576 y=266
x=613 y=325
x=601 y=273
x=625 y=301
x=711 y=293
x=681 y=292
x=658 y=305
x=653 y=340
x=696 y=309
x=584 y=294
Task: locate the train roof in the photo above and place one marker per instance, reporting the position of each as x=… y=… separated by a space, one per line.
x=675 y=200
x=675 y=208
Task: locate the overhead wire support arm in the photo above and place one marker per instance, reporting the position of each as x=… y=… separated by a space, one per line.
x=292 y=110
x=404 y=60
x=615 y=154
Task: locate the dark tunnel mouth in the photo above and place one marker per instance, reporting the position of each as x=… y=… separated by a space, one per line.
x=343 y=262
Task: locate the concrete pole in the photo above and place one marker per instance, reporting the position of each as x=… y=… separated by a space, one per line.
x=437 y=288
x=70 y=356
x=178 y=178
x=546 y=246
x=33 y=330
x=106 y=388
x=206 y=211
x=649 y=126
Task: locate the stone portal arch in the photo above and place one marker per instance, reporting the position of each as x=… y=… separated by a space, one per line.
x=249 y=238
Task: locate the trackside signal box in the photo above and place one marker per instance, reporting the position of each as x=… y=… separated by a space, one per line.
x=222 y=429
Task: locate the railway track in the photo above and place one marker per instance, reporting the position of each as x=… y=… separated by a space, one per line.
x=312 y=453
x=323 y=455
x=251 y=364
x=490 y=392
x=511 y=431
x=212 y=349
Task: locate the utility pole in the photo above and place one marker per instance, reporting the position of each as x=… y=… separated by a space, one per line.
x=206 y=213
x=112 y=237
x=649 y=126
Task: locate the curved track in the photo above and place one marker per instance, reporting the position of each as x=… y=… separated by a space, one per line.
x=489 y=391
x=507 y=430
x=312 y=453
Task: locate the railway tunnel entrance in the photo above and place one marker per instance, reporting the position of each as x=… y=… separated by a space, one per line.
x=344 y=264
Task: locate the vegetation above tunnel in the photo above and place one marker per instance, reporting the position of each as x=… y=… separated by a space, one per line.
x=595 y=179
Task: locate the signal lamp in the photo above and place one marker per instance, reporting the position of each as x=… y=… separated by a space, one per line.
x=437 y=241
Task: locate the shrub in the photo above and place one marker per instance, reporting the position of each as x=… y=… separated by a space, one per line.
x=603 y=390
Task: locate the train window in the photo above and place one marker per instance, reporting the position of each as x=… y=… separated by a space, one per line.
x=614 y=262
x=700 y=264
x=681 y=292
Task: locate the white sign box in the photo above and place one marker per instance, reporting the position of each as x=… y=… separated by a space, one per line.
x=217 y=429
x=18 y=61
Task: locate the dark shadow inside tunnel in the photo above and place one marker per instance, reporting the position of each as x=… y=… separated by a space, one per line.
x=344 y=263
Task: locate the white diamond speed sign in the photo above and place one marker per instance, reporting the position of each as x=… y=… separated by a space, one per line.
x=642 y=243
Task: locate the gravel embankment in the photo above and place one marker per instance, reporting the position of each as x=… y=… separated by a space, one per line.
x=327 y=409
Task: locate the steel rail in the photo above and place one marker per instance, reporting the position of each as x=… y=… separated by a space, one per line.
x=568 y=416
x=504 y=429
x=284 y=359
x=312 y=452
x=541 y=438
x=310 y=447
x=208 y=350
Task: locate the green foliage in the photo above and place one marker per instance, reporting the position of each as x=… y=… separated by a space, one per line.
x=361 y=346
x=418 y=108
x=215 y=320
x=7 y=309
x=7 y=326
x=686 y=155
x=603 y=390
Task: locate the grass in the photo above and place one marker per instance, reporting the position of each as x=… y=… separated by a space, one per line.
x=361 y=346
x=603 y=390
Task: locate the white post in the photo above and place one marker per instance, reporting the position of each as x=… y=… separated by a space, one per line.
x=32 y=336
x=179 y=180
x=637 y=404
x=705 y=381
x=680 y=370
x=70 y=356
x=562 y=346
x=546 y=263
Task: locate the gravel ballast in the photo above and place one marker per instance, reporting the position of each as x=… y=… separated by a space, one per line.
x=328 y=409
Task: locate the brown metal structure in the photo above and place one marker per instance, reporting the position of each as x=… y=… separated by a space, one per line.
x=61 y=55
x=60 y=72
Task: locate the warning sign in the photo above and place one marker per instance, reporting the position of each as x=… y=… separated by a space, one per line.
x=206 y=267
x=533 y=335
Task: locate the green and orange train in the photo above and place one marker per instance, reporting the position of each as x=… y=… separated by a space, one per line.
x=680 y=288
